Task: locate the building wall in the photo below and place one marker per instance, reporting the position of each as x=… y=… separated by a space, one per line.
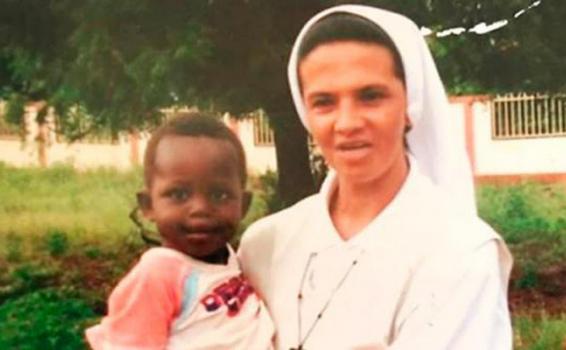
x=16 y=153
x=84 y=156
x=124 y=154
x=543 y=157
x=79 y=155
x=525 y=156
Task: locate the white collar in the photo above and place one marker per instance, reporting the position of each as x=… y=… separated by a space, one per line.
x=376 y=233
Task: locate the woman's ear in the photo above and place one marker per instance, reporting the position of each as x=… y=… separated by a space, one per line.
x=144 y=203
x=408 y=124
x=246 y=202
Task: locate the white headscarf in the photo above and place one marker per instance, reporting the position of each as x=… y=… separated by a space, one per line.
x=435 y=140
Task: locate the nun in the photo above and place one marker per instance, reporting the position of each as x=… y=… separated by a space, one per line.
x=390 y=254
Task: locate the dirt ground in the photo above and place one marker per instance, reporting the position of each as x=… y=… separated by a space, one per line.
x=548 y=294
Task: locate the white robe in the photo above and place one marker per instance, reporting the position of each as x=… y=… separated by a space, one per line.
x=426 y=276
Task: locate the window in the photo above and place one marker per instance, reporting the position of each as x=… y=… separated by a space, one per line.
x=522 y=115
x=263 y=134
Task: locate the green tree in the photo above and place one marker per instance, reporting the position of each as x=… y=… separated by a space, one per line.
x=527 y=55
x=222 y=55
x=123 y=61
x=31 y=58
x=32 y=45
x=252 y=42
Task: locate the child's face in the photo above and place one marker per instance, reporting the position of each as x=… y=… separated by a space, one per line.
x=196 y=198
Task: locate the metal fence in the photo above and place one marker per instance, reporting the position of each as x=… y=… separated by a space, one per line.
x=522 y=116
x=263 y=134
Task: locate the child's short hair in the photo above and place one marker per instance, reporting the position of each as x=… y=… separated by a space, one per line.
x=193 y=124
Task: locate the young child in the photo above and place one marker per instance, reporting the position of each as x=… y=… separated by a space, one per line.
x=189 y=293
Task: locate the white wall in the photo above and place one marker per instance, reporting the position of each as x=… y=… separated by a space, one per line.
x=92 y=155
x=16 y=153
x=79 y=155
x=492 y=157
x=457 y=112
x=542 y=155
x=83 y=156
x=259 y=158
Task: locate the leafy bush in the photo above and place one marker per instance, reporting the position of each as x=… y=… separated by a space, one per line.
x=56 y=242
x=319 y=168
x=93 y=252
x=524 y=212
x=543 y=333
x=531 y=217
x=267 y=190
x=27 y=277
x=265 y=200
x=45 y=319
x=528 y=278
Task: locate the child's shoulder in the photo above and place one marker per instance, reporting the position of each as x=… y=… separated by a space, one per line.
x=163 y=253
x=161 y=261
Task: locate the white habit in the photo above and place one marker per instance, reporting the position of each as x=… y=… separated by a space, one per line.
x=427 y=277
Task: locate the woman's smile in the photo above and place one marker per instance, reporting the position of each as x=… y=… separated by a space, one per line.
x=352 y=145
x=353 y=150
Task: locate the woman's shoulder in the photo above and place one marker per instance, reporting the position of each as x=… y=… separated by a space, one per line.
x=455 y=236
x=439 y=223
x=452 y=230
x=447 y=215
x=447 y=240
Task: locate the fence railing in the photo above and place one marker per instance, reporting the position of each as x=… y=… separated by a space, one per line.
x=263 y=134
x=523 y=115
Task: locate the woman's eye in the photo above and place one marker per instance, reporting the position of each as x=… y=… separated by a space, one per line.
x=370 y=95
x=178 y=194
x=321 y=102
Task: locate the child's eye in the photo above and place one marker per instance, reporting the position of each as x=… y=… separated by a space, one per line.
x=178 y=194
x=220 y=195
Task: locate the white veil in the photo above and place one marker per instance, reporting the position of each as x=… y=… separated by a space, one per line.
x=435 y=140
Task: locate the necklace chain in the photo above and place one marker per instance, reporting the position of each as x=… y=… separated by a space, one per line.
x=300 y=339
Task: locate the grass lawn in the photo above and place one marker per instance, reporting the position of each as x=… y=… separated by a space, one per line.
x=65 y=239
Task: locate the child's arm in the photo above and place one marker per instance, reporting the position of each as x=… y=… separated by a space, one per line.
x=142 y=307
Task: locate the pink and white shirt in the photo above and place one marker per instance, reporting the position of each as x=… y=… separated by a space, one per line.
x=171 y=301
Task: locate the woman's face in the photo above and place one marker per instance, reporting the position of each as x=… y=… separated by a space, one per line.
x=356 y=109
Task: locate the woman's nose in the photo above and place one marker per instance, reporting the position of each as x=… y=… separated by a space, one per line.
x=348 y=117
